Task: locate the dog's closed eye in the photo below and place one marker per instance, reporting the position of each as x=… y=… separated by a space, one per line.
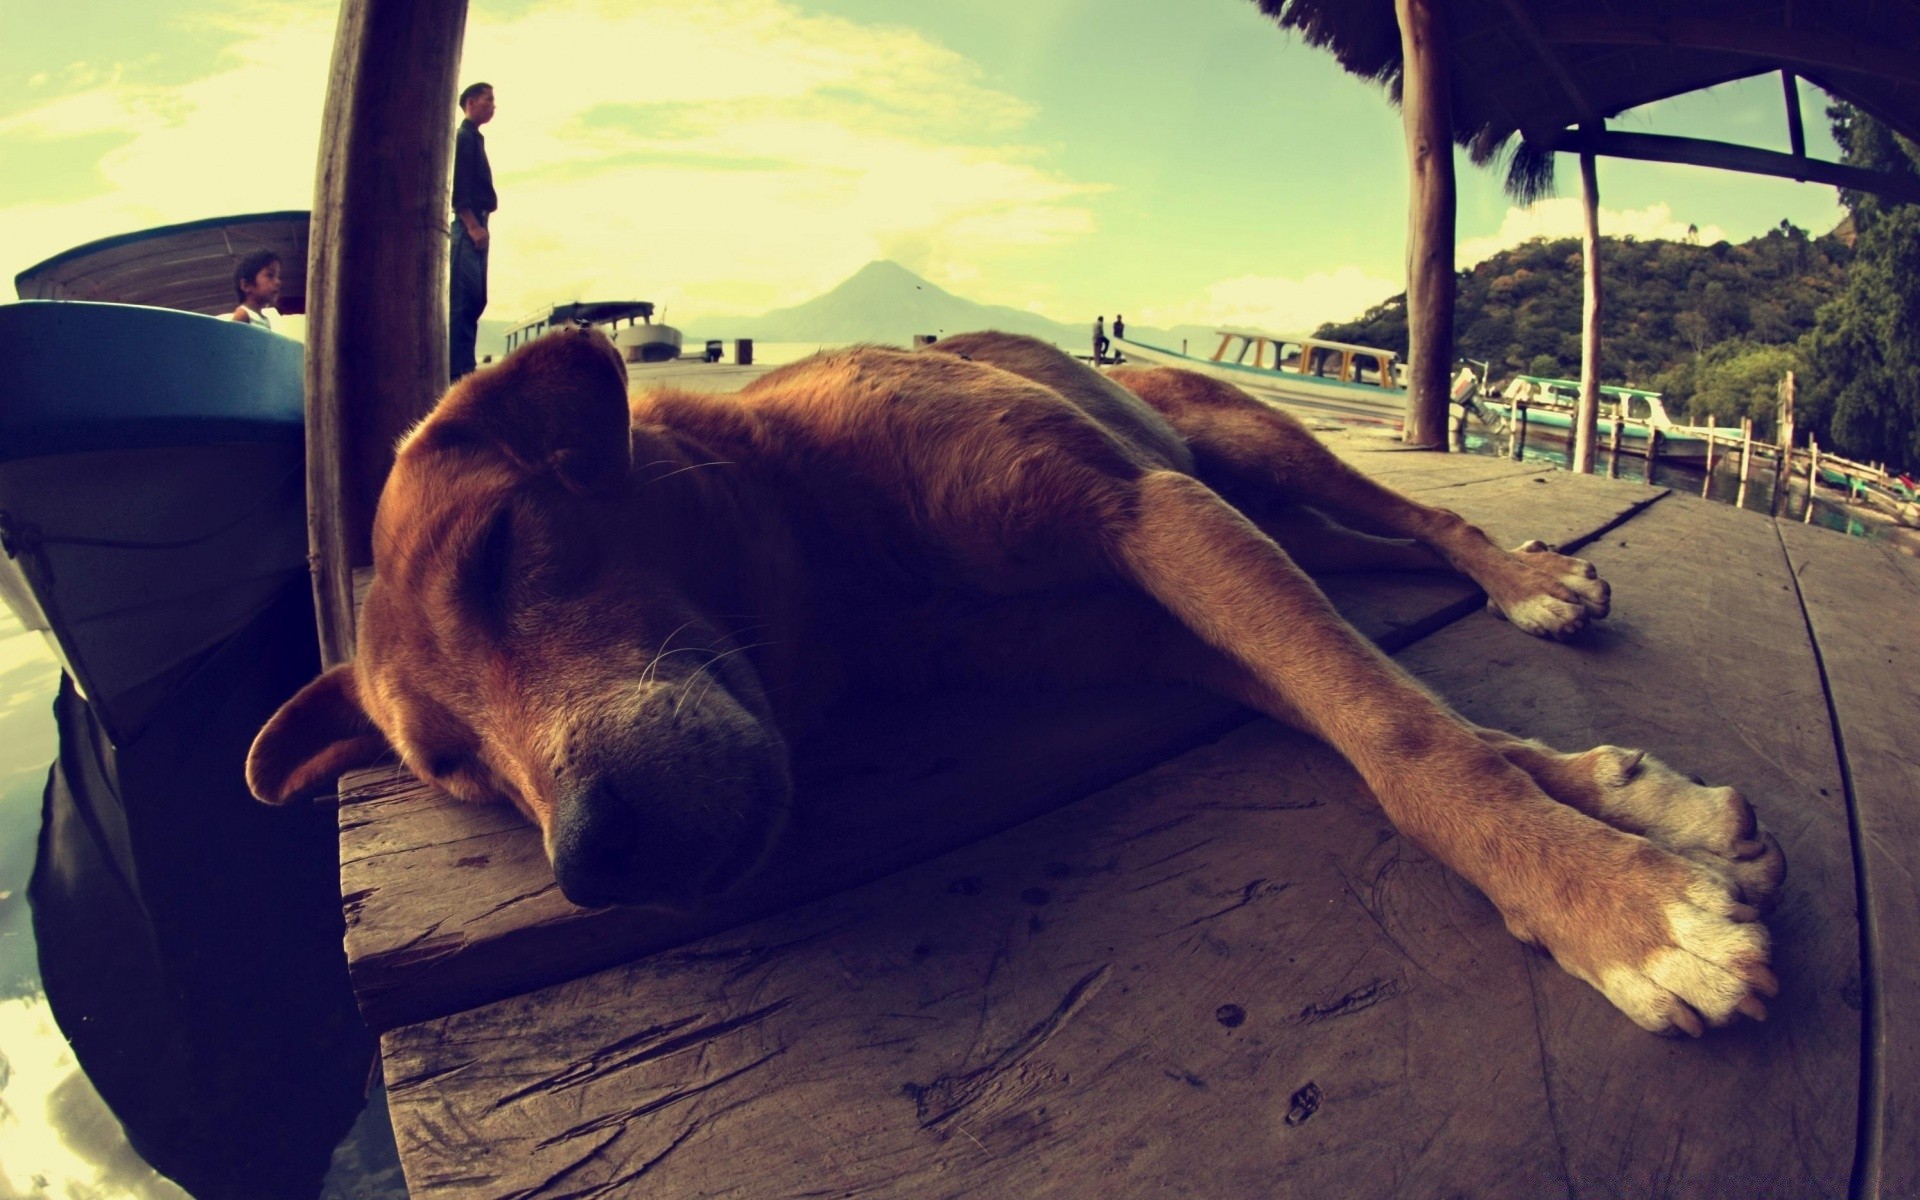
x=484 y=577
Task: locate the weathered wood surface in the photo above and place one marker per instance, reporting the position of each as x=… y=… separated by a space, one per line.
x=1706 y=662
x=450 y=905
x=1860 y=603
x=1226 y=977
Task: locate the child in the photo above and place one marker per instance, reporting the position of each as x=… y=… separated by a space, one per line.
x=257 y=283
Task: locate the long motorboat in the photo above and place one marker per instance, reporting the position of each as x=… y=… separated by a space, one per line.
x=1308 y=375
x=1551 y=404
x=628 y=322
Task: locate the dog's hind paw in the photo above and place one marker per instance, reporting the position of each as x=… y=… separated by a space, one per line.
x=1548 y=594
x=1712 y=969
x=1668 y=939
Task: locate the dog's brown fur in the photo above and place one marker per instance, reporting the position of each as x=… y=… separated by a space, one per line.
x=619 y=619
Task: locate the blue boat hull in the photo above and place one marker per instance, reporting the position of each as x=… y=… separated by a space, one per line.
x=152 y=488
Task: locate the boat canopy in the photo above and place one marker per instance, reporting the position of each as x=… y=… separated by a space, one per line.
x=589 y=312
x=1301 y=339
x=1573 y=385
x=1341 y=362
x=187 y=267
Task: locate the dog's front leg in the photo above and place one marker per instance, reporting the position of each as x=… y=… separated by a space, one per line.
x=1664 y=938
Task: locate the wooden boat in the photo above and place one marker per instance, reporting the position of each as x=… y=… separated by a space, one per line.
x=1310 y=376
x=152 y=467
x=639 y=339
x=153 y=522
x=1551 y=404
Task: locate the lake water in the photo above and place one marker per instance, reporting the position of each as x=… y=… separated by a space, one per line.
x=57 y=1137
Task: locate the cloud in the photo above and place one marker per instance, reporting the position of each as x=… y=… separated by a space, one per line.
x=1563 y=218
x=1279 y=304
x=725 y=156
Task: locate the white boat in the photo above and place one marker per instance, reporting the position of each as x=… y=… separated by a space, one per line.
x=639 y=339
x=1551 y=404
x=1307 y=375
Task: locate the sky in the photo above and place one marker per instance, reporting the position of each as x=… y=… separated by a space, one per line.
x=1181 y=162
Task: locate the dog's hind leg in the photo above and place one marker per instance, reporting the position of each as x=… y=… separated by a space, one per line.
x=1322 y=545
x=1258 y=457
x=1666 y=939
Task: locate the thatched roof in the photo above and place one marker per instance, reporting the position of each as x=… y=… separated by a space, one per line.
x=1538 y=68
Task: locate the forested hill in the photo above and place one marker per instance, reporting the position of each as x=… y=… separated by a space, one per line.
x=1670 y=308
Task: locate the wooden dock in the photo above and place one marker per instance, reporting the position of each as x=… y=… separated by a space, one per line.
x=1137 y=943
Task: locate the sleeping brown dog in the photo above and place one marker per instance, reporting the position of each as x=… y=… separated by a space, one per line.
x=619 y=615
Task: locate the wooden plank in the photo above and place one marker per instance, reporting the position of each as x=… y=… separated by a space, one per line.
x=1225 y=977
x=1705 y=662
x=1222 y=978
x=450 y=905
x=1863 y=604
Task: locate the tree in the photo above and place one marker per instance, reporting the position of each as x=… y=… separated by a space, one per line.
x=1863 y=353
x=1742 y=379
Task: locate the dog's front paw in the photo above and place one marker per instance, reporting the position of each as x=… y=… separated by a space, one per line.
x=1547 y=594
x=1667 y=939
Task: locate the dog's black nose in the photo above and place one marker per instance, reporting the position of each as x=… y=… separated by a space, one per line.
x=606 y=851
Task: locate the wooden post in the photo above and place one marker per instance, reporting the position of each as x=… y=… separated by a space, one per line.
x=1713 y=440
x=1813 y=477
x=1746 y=459
x=1653 y=451
x=1427 y=121
x=1518 y=442
x=1586 y=413
x=1613 y=443
x=376 y=275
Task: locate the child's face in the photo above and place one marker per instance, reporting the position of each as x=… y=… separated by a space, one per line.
x=263 y=290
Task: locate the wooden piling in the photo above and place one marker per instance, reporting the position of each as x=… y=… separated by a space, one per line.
x=376 y=275
x=1427 y=122
x=1517 y=433
x=1613 y=442
x=1586 y=412
x=1813 y=476
x=1713 y=441
x=1746 y=460
x=1653 y=451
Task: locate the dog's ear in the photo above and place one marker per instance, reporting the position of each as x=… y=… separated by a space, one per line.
x=315 y=736
x=558 y=406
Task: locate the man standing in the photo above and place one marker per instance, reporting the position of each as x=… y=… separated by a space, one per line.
x=1099 y=339
x=473 y=201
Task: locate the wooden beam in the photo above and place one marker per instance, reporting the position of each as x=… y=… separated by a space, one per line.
x=1426 y=117
x=1796 y=130
x=377 y=275
x=1586 y=415
x=1698 y=152
x=1780 y=46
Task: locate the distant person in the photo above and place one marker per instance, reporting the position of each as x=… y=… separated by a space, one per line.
x=473 y=201
x=1100 y=342
x=1119 y=327
x=256 y=281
